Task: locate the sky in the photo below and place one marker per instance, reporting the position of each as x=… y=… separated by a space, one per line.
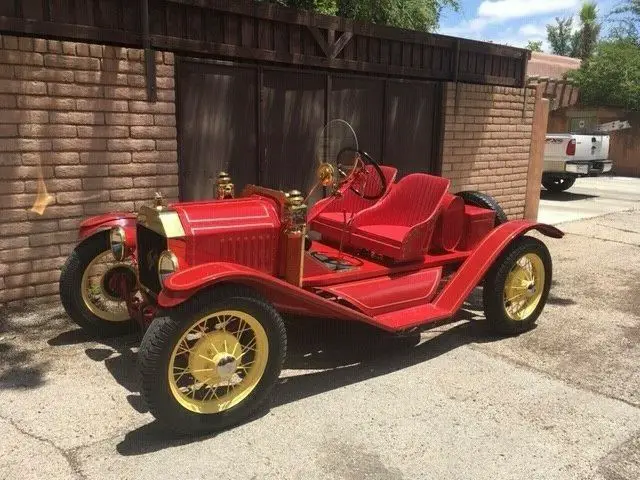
x=511 y=22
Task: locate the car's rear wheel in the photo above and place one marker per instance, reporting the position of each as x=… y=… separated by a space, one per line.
x=87 y=290
x=212 y=361
x=558 y=184
x=517 y=285
x=482 y=200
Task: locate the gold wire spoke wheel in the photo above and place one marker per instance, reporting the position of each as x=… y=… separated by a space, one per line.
x=96 y=298
x=218 y=361
x=524 y=286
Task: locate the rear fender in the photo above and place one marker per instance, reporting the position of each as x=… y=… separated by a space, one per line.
x=484 y=255
x=107 y=221
x=284 y=296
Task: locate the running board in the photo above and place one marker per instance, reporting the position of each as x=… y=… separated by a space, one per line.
x=411 y=317
x=388 y=293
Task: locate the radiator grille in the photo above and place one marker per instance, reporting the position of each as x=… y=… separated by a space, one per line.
x=150 y=246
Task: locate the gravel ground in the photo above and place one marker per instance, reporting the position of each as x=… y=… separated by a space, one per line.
x=559 y=402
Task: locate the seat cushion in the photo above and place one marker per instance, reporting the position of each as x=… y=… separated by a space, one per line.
x=390 y=234
x=333 y=218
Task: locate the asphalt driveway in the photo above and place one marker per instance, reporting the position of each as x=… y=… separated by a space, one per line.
x=559 y=402
x=590 y=197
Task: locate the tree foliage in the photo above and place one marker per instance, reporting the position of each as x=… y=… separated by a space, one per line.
x=560 y=36
x=586 y=38
x=580 y=43
x=534 y=46
x=612 y=76
x=422 y=15
x=626 y=17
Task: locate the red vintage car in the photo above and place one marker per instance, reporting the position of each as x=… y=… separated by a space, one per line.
x=209 y=280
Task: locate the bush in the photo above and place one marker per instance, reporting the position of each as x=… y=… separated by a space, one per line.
x=612 y=76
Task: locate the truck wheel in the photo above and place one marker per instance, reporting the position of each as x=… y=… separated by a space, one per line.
x=85 y=288
x=212 y=361
x=517 y=285
x=483 y=200
x=558 y=184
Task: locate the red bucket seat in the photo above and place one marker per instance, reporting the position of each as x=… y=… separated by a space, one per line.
x=332 y=210
x=400 y=226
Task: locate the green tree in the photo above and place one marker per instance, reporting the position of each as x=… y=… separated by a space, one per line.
x=561 y=38
x=534 y=46
x=627 y=20
x=612 y=76
x=422 y=15
x=586 y=38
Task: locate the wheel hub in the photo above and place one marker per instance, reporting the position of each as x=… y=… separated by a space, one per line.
x=531 y=289
x=523 y=287
x=215 y=357
x=111 y=282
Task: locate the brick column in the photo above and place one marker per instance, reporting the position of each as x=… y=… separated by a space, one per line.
x=74 y=118
x=536 y=157
x=487 y=138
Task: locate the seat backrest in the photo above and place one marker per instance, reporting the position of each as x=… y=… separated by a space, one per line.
x=412 y=200
x=352 y=202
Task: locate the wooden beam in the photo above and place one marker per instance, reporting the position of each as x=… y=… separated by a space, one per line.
x=342 y=42
x=149 y=54
x=66 y=31
x=161 y=42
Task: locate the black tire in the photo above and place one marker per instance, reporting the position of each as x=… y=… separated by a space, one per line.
x=558 y=184
x=71 y=289
x=482 y=200
x=159 y=342
x=494 y=283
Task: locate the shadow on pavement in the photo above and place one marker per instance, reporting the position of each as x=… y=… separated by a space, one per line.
x=18 y=370
x=347 y=353
x=22 y=366
x=564 y=196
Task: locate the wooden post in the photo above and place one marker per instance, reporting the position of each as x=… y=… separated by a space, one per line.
x=536 y=154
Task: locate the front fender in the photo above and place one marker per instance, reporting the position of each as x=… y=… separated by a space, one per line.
x=476 y=265
x=106 y=221
x=284 y=296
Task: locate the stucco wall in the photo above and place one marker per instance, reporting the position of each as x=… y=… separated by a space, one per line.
x=75 y=116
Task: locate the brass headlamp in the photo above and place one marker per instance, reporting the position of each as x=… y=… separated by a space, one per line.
x=295 y=212
x=224 y=186
x=118 y=243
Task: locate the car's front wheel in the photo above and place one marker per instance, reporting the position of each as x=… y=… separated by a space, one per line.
x=517 y=285
x=87 y=287
x=213 y=360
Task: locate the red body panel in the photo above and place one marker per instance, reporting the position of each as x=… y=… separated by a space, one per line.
x=242 y=230
x=106 y=221
x=478 y=222
x=406 y=314
x=450 y=225
x=316 y=276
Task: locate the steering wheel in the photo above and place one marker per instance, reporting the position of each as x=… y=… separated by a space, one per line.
x=356 y=176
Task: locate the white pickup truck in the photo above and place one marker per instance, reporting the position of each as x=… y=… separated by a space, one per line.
x=568 y=156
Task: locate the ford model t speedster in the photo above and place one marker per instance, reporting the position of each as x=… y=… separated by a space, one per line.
x=209 y=280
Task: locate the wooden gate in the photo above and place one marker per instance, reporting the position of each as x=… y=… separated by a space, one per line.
x=261 y=123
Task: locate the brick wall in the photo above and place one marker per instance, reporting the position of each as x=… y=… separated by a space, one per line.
x=74 y=115
x=487 y=140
